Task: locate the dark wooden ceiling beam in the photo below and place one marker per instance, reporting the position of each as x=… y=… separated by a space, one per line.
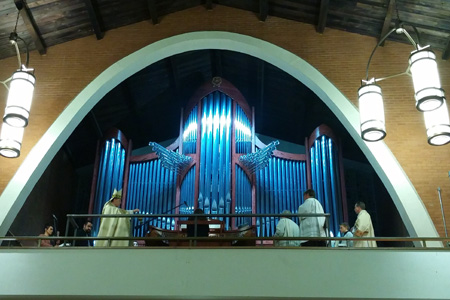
x=446 y=52
x=209 y=4
x=32 y=28
x=263 y=9
x=387 y=20
x=94 y=16
x=151 y=4
x=323 y=13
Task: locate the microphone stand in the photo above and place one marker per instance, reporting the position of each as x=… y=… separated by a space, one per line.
x=55 y=230
x=152 y=218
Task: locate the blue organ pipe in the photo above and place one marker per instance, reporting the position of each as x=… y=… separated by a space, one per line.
x=228 y=160
x=325 y=175
x=291 y=186
x=202 y=154
x=215 y=157
x=165 y=203
x=221 y=175
x=319 y=182
x=334 y=209
x=267 y=196
x=284 y=180
x=272 y=192
x=208 y=164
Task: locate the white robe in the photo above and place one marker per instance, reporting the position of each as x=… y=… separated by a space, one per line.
x=114 y=227
x=364 y=224
x=287 y=228
x=311 y=226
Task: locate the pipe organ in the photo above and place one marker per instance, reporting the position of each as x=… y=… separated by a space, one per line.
x=217 y=129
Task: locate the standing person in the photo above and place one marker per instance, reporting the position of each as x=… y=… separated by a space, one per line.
x=363 y=226
x=115 y=227
x=311 y=226
x=344 y=228
x=85 y=232
x=48 y=231
x=287 y=228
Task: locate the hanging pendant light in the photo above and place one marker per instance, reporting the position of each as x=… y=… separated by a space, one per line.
x=371 y=112
x=20 y=95
x=11 y=140
x=427 y=85
x=437 y=124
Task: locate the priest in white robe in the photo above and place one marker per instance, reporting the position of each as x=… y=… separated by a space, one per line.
x=363 y=226
x=311 y=226
x=115 y=227
x=287 y=228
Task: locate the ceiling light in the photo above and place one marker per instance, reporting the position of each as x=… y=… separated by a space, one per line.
x=429 y=95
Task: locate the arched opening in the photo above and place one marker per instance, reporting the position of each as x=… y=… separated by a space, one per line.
x=409 y=205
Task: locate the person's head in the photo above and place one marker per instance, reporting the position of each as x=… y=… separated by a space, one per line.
x=48 y=229
x=116 y=198
x=87 y=226
x=359 y=206
x=309 y=194
x=287 y=213
x=344 y=227
x=198 y=211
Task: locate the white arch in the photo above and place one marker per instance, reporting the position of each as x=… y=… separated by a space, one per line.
x=405 y=197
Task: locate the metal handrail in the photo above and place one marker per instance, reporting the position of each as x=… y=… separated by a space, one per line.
x=71 y=219
x=234 y=238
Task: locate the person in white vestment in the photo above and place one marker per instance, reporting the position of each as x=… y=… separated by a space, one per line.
x=363 y=226
x=287 y=228
x=114 y=227
x=311 y=226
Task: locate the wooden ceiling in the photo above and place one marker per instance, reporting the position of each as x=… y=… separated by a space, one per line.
x=273 y=93
x=44 y=23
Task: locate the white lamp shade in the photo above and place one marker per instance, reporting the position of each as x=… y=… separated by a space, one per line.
x=427 y=85
x=20 y=95
x=371 y=113
x=438 y=125
x=11 y=140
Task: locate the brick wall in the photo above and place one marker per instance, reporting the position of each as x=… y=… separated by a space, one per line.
x=338 y=55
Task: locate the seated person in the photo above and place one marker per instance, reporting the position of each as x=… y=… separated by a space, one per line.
x=344 y=228
x=84 y=232
x=48 y=231
x=202 y=229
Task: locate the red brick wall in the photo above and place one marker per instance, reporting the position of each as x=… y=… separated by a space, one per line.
x=338 y=55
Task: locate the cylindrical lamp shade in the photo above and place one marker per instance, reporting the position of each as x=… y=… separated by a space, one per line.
x=20 y=95
x=427 y=85
x=438 y=125
x=371 y=113
x=11 y=140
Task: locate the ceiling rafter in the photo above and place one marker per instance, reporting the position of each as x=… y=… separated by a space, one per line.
x=208 y=4
x=151 y=4
x=94 y=16
x=387 y=20
x=323 y=13
x=263 y=9
x=446 y=52
x=32 y=28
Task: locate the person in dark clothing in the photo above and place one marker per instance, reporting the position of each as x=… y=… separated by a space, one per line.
x=84 y=232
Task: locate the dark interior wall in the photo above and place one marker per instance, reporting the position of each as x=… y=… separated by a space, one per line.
x=363 y=184
x=53 y=194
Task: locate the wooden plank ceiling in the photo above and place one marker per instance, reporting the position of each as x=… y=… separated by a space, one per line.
x=284 y=107
x=44 y=23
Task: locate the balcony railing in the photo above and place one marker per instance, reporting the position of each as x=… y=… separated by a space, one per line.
x=220 y=239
